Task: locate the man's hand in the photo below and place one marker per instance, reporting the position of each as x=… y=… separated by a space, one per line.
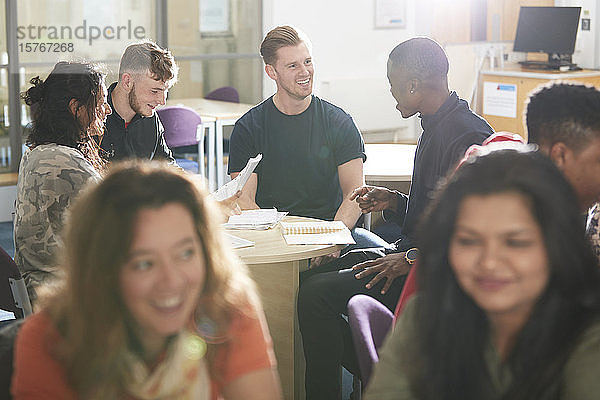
x=388 y=267
x=316 y=261
x=374 y=198
x=230 y=205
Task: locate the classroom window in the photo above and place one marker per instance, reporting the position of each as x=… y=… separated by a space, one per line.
x=216 y=44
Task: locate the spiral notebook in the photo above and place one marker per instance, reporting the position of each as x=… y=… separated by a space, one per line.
x=317 y=232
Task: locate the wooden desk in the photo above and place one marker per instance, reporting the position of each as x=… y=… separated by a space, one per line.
x=390 y=162
x=275 y=267
x=224 y=114
x=525 y=80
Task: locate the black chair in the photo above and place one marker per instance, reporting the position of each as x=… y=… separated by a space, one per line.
x=13 y=293
x=8 y=335
x=13 y=298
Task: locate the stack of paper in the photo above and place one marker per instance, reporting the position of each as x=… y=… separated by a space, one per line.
x=255 y=219
x=318 y=232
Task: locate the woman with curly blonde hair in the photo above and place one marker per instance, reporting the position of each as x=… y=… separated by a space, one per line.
x=153 y=307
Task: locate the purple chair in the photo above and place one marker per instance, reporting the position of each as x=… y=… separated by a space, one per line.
x=370 y=321
x=184 y=134
x=225 y=93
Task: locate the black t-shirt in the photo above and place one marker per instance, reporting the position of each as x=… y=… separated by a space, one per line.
x=298 y=172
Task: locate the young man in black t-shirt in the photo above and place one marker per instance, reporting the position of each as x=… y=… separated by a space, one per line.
x=312 y=151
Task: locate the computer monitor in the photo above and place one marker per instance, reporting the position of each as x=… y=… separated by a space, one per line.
x=550 y=30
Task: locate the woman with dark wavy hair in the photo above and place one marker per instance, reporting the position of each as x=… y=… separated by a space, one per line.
x=154 y=305
x=509 y=292
x=68 y=108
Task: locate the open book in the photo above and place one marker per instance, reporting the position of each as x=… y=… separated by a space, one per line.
x=316 y=232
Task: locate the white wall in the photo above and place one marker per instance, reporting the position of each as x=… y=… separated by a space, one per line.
x=349 y=55
x=587 y=47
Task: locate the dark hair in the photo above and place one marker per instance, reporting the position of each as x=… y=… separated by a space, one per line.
x=97 y=245
x=563 y=112
x=52 y=118
x=281 y=36
x=453 y=332
x=148 y=56
x=421 y=58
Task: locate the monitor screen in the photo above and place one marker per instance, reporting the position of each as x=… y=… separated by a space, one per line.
x=547 y=29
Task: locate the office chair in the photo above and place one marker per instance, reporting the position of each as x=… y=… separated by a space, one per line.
x=13 y=294
x=184 y=135
x=370 y=322
x=229 y=94
x=8 y=335
x=225 y=93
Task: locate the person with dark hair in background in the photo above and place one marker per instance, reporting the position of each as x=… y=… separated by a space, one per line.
x=68 y=108
x=133 y=130
x=154 y=306
x=564 y=120
x=508 y=305
x=417 y=71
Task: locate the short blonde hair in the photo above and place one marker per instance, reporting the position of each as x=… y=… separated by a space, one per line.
x=281 y=36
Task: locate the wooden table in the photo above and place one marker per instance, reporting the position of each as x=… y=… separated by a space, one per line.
x=276 y=267
x=224 y=114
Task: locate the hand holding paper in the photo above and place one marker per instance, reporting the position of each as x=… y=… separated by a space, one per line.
x=235 y=185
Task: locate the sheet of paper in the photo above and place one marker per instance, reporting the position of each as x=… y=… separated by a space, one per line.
x=5 y=315
x=237 y=242
x=500 y=99
x=264 y=218
x=231 y=187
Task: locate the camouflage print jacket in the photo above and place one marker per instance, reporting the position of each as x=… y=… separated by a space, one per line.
x=50 y=176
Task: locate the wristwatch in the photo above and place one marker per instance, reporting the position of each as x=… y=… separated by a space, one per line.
x=411 y=255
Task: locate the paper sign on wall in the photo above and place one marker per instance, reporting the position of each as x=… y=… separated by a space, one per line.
x=214 y=16
x=390 y=14
x=500 y=99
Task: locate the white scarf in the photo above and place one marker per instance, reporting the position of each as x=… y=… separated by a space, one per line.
x=182 y=375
